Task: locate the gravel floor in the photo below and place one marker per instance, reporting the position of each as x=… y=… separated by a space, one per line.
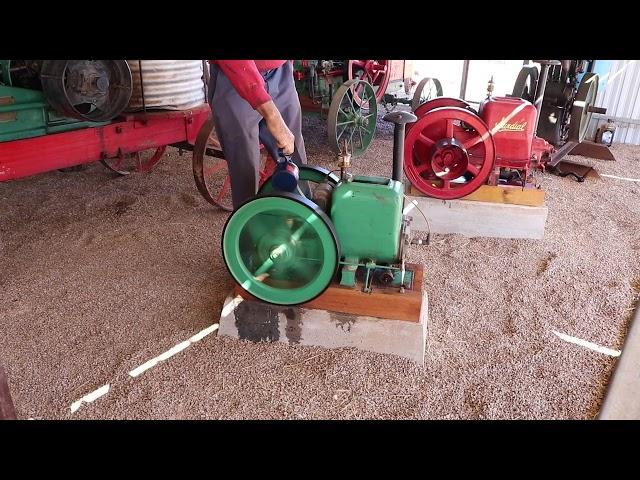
x=99 y=274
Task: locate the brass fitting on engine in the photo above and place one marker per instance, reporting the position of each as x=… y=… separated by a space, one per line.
x=344 y=161
x=490 y=87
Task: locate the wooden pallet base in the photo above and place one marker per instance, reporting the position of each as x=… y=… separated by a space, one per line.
x=386 y=303
x=532 y=197
x=384 y=321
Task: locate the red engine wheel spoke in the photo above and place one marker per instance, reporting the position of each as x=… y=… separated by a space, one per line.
x=422 y=138
x=472 y=142
x=135 y=162
x=449 y=128
x=375 y=72
x=420 y=169
x=471 y=168
x=215 y=167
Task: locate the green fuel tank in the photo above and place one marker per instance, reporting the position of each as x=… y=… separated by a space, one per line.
x=367 y=215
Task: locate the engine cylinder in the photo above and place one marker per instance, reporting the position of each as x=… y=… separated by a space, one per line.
x=512 y=123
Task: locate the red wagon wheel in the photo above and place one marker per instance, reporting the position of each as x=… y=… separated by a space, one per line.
x=375 y=72
x=135 y=162
x=449 y=153
x=211 y=173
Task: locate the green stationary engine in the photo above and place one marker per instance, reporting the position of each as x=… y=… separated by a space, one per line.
x=286 y=248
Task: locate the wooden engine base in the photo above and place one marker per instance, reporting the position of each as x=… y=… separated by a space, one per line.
x=387 y=303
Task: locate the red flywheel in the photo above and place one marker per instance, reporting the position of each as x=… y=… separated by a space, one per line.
x=441 y=102
x=438 y=102
x=449 y=153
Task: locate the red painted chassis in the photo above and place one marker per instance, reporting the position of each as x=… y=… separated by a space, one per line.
x=127 y=134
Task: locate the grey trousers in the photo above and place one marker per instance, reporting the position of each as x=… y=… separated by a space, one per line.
x=241 y=129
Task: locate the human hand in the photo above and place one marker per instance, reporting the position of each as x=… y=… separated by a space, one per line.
x=283 y=136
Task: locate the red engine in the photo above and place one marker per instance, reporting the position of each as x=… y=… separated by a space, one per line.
x=451 y=150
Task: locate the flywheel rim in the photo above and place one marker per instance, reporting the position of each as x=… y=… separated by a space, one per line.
x=580 y=114
x=299 y=228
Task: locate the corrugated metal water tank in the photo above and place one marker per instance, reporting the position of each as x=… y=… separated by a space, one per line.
x=167 y=84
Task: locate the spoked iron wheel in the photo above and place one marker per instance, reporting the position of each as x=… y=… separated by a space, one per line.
x=427 y=89
x=352 y=122
x=211 y=173
x=281 y=248
x=374 y=72
x=526 y=82
x=449 y=153
x=136 y=162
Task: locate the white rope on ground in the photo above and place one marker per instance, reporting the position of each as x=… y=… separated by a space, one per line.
x=102 y=391
x=620 y=178
x=90 y=397
x=584 y=343
x=172 y=351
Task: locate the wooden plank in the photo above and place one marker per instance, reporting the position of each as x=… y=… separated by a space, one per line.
x=531 y=197
x=7 y=410
x=387 y=303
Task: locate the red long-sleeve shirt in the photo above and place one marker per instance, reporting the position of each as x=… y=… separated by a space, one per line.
x=245 y=77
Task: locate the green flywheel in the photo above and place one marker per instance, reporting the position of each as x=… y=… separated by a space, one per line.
x=281 y=248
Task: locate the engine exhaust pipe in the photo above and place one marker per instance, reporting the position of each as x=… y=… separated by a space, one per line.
x=400 y=119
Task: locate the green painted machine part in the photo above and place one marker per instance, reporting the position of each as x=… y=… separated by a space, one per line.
x=285 y=248
x=25 y=112
x=281 y=248
x=352 y=122
x=367 y=215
